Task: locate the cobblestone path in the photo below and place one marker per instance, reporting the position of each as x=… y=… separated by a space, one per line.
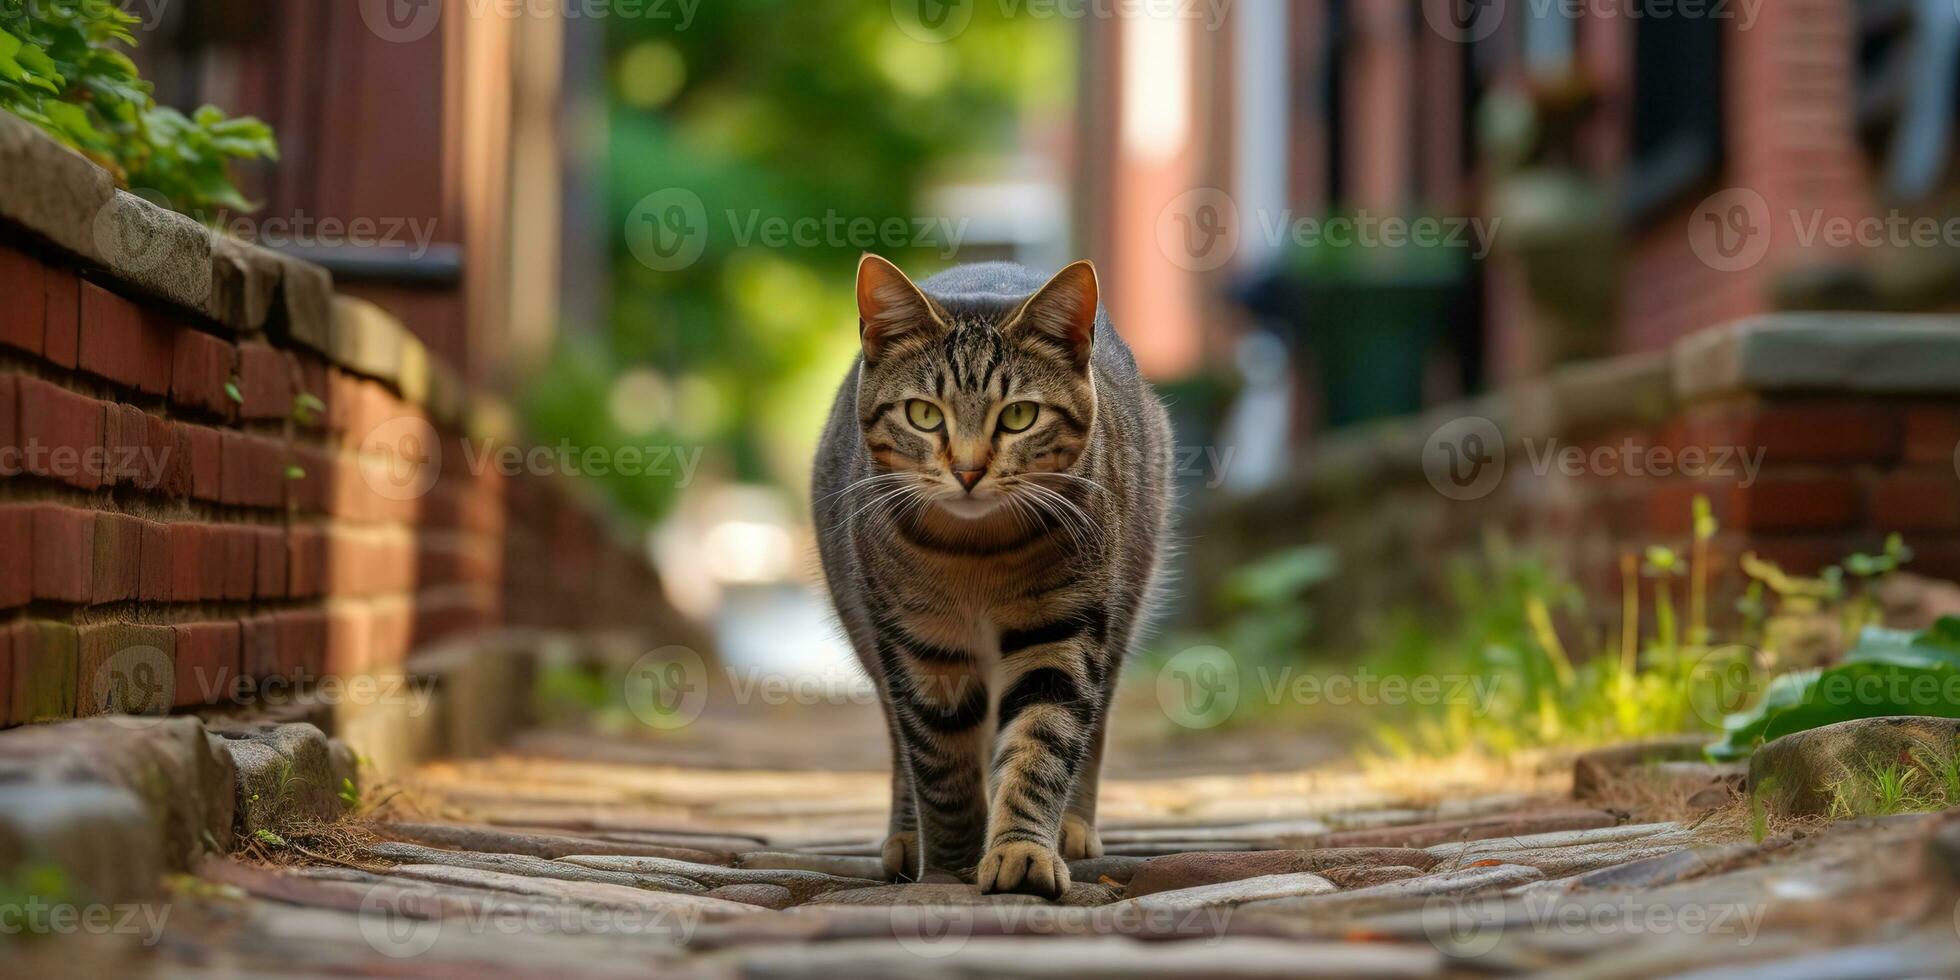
x=743 y=848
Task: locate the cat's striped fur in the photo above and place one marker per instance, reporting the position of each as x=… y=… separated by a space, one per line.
x=992 y=581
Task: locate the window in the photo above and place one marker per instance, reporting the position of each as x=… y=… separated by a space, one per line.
x=1677 y=111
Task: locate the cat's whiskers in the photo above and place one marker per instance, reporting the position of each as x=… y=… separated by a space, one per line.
x=881 y=497
x=1099 y=488
x=896 y=475
x=1081 y=530
x=1061 y=500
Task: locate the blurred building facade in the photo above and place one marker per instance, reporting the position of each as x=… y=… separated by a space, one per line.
x=1614 y=175
x=445 y=134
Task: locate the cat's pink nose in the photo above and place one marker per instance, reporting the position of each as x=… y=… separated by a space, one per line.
x=969 y=478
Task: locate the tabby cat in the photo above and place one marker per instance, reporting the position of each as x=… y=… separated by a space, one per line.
x=991 y=506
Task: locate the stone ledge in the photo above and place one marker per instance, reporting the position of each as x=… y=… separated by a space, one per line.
x=61 y=196
x=1852 y=353
x=1860 y=353
x=1581 y=399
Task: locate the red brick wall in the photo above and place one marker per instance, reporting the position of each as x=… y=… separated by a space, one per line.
x=172 y=494
x=1840 y=469
x=1791 y=137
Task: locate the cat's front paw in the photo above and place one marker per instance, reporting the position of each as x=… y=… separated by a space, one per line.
x=1020 y=866
x=1079 y=839
x=902 y=856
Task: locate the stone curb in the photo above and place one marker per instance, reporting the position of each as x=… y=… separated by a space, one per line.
x=115 y=802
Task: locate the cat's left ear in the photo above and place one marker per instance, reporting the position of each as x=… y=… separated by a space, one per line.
x=1064 y=312
x=891 y=309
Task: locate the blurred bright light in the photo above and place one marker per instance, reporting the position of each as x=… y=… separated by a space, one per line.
x=911 y=67
x=748 y=552
x=641 y=400
x=651 y=73
x=701 y=407
x=1156 y=84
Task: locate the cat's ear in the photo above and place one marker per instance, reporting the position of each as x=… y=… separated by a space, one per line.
x=890 y=307
x=1064 y=312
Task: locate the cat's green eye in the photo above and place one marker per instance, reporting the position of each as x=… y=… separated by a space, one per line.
x=1018 y=416
x=924 y=415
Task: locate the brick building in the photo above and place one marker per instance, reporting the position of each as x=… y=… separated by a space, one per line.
x=1594 y=140
x=229 y=467
x=1702 y=220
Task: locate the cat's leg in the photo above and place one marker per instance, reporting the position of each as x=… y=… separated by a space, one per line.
x=1045 y=733
x=1078 y=838
x=939 y=703
x=901 y=848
